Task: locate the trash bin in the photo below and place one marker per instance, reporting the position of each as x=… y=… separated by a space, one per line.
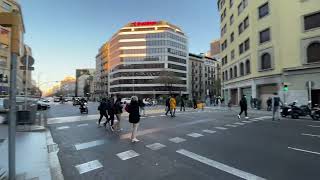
x=24 y=117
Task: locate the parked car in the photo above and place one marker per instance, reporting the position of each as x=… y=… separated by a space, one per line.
x=56 y=99
x=42 y=105
x=46 y=100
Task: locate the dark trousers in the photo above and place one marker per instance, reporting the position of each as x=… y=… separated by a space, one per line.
x=111 y=118
x=243 y=110
x=168 y=110
x=101 y=116
x=182 y=107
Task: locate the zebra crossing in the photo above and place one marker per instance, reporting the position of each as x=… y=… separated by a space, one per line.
x=156 y=146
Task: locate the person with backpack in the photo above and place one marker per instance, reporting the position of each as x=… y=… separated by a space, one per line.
x=244 y=107
x=276 y=101
x=118 y=111
x=102 y=108
x=134 y=117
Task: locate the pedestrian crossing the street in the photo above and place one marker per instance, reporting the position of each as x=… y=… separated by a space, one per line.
x=127 y=155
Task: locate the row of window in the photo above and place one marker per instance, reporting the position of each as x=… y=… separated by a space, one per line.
x=177 y=67
x=138 y=66
x=243 y=4
x=243 y=25
x=145 y=73
x=245 y=46
x=166 y=35
x=156 y=50
x=141 y=59
x=142 y=81
x=177 y=60
x=156 y=88
x=177 y=52
x=166 y=43
x=245 y=69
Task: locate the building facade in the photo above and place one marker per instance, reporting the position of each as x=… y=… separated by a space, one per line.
x=68 y=86
x=202 y=77
x=81 y=78
x=9 y=6
x=101 y=75
x=147 y=59
x=264 y=48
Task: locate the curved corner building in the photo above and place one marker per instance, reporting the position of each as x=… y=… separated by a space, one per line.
x=144 y=57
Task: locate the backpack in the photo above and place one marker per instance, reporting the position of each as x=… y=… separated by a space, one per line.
x=127 y=108
x=276 y=101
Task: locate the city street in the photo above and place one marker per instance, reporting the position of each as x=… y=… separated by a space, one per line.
x=209 y=144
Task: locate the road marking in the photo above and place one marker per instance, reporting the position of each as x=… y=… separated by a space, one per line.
x=89 y=144
x=89 y=166
x=177 y=140
x=63 y=127
x=218 y=165
x=209 y=131
x=238 y=123
x=155 y=146
x=314 y=126
x=81 y=125
x=195 y=135
x=162 y=115
x=221 y=128
x=152 y=116
x=297 y=149
x=127 y=155
x=246 y=121
x=312 y=135
x=231 y=125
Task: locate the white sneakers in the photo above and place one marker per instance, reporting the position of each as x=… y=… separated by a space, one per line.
x=239 y=117
x=135 y=140
x=247 y=117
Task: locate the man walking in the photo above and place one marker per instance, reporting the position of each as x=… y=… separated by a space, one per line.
x=167 y=105
x=276 y=101
x=244 y=107
x=182 y=105
x=103 y=110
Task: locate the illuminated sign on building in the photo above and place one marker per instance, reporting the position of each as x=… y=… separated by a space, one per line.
x=146 y=23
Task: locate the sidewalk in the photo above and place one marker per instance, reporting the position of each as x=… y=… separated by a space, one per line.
x=31 y=154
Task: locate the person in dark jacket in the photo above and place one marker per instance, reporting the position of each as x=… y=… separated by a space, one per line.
x=243 y=106
x=118 y=111
x=194 y=103
x=102 y=108
x=134 y=117
x=111 y=110
x=167 y=105
x=269 y=104
x=182 y=104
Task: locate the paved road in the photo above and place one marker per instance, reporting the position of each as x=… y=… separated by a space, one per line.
x=67 y=109
x=210 y=144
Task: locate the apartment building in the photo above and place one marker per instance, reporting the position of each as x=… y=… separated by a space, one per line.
x=265 y=48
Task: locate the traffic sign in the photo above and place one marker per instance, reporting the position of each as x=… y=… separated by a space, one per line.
x=30 y=60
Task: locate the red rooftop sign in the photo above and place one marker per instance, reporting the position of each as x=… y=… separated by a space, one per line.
x=146 y=23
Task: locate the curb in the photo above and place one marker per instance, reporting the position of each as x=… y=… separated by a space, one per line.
x=54 y=163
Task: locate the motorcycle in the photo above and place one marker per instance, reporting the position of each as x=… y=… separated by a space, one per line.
x=285 y=111
x=315 y=113
x=84 y=108
x=303 y=110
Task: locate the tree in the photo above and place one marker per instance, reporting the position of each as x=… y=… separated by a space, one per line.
x=167 y=78
x=217 y=87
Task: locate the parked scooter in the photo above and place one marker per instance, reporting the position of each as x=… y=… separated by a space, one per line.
x=296 y=111
x=315 y=112
x=84 y=108
x=285 y=110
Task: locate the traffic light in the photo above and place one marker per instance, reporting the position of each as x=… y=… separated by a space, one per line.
x=285 y=88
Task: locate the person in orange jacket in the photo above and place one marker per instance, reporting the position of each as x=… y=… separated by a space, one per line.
x=173 y=106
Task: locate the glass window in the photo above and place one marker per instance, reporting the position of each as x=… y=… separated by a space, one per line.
x=240 y=28
x=313 y=52
x=265 y=61
x=246 y=22
x=312 y=21
x=240 y=8
x=232 y=54
x=241 y=48
x=241 y=69
x=248 y=67
x=235 y=69
x=232 y=37
x=231 y=73
x=263 y=10
x=6 y=6
x=231 y=19
x=265 y=35
x=231 y=3
x=245 y=3
x=247 y=45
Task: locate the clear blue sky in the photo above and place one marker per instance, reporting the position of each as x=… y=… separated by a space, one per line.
x=66 y=34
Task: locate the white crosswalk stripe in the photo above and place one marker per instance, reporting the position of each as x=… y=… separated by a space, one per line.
x=231 y=125
x=195 y=135
x=63 y=127
x=177 y=140
x=127 y=155
x=209 y=131
x=89 y=166
x=155 y=146
x=221 y=128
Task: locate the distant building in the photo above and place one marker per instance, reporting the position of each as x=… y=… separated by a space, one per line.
x=141 y=58
x=201 y=77
x=214 y=48
x=68 y=86
x=81 y=78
